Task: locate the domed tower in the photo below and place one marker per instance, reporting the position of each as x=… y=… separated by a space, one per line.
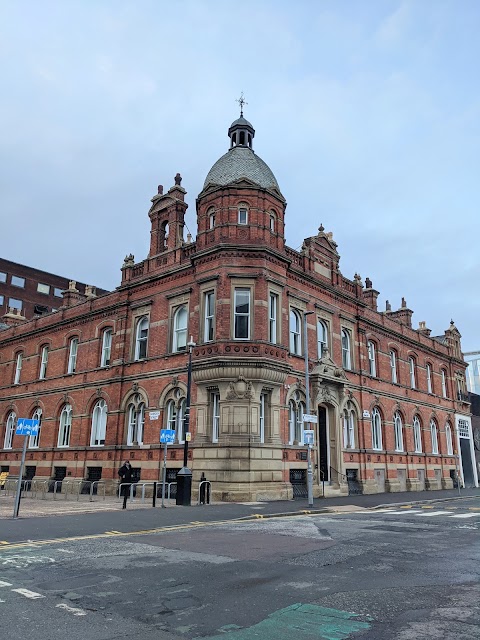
x=241 y=202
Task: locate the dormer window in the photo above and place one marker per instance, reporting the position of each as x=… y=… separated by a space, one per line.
x=242 y=216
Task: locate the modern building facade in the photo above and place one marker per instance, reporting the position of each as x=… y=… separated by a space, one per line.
x=106 y=373
x=30 y=292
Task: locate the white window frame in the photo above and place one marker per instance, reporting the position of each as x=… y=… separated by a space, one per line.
x=211 y=220
x=272 y=317
x=72 y=355
x=180 y=328
x=429 y=379
x=18 y=367
x=377 y=439
x=34 y=441
x=295 y=332
x=393 y=365
x=43 y=362
x=348 y=429
x=261 y=418
x=398 y=432
x=417 y=435
x=99 y=424
x=412 y=368
x=449 y=439
x=236 y=294
x=10 y=429
x=322 y=337
x=434 y=436
x=372 y=364
x=346 y=349
x=136 y=424
x=444 y=383
x=209 y=316
x=65 y=428
x=272 y=222
x=141 y=338
x=107 y=338
x=215 y=398
x=242 y=215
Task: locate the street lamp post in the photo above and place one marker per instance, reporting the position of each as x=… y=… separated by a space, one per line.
x=307 y=398
x=184 y=476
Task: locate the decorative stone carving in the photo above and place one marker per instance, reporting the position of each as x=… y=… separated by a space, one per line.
x=240 y=389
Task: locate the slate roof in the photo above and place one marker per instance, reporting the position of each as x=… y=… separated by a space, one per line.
x=241 y=162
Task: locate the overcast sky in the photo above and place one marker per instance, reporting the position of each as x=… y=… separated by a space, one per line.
x=367 y=112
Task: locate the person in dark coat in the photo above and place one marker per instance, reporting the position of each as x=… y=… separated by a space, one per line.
x=125 y=472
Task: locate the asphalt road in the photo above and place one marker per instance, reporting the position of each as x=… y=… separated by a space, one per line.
x=392 y=574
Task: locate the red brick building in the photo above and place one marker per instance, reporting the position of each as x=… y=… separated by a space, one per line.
x=389 y=398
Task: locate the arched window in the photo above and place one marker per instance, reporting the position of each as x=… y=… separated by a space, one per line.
x=393 y=365
x=136 y=422
x=413 y=377
x=180 y=329
x=417 y=435
x=43 y=362
x=35 y=440
x=10 y=430
x=398 y=429
x=448 y=437
x=346 y=350
x=65 y=429
x=99 y=424
x=272 y=222
x=348 y=429
x=141 y=338
x=106 y=347
x=372 y=363
x=18 y=367
x=322 y=337
x=211 y=219
x=434 y=436
x=444 y=383
x=175 y=416
x=376 y=430
x=295 y=332
x=215 y=404
x=296 y=409
x=242 y=215
x=429 y=378
x=72 y=355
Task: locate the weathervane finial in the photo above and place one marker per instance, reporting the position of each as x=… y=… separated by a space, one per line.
x=241 y=101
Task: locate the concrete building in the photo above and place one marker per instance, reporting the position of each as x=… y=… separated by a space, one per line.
x=106 y=373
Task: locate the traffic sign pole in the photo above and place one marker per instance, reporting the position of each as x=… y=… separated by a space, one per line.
x=20 y=476
x=164 y=474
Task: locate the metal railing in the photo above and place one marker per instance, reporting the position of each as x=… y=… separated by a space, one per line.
x=207 y=491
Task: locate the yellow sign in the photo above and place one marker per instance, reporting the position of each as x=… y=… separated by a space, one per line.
x=188 y=436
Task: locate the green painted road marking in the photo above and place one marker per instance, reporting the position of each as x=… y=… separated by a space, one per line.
x=299 y=621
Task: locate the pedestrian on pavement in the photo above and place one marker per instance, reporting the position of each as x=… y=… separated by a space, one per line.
x=125 y=472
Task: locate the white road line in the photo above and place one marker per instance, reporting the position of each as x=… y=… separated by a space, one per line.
x=466 y=515
x=428 y=514
x=74 y=610
x=5 y=584
x=28 y=594
x=404 y=512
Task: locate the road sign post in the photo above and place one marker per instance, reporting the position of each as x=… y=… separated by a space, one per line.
x=25 y=428
x=167 y=436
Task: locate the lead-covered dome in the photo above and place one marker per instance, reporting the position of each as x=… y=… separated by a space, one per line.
x=241 y=161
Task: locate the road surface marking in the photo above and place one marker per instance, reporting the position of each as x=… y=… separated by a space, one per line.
x=4 y=542
x=474 y=508
x=403 y=513
x=5 y=584
x=465 y=515
x=28 y=594
x=434 y=513
x=426 y=507
x=406 y=507
x=74 y=610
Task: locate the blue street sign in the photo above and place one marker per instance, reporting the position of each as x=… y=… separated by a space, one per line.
x=167 y=436
x=27 y=427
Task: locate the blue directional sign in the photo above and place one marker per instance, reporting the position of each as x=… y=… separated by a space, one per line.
x=27 y=427
x=167 y=436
